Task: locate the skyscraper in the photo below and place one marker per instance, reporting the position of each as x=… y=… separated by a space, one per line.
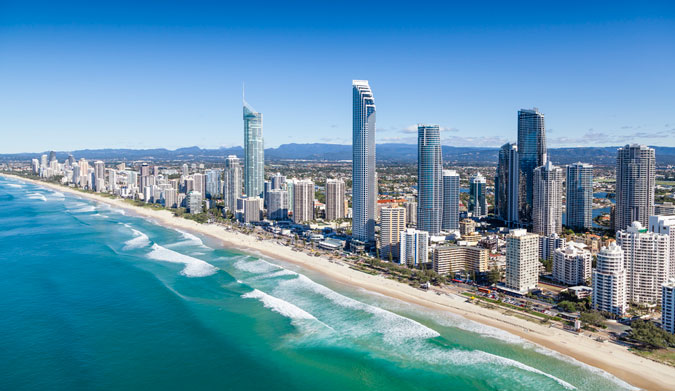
x=277 y=204
x=522 y=260
x=547 y=205
x=665 y=225
x=668 y=306
x=392 y=223
x=335 y=199
x=429 y=179
x=232 y=183
x=414 y=247
x=364 y=188
x=634 y=185
x=647 y=261
x=477 y=202
x=609 y=281
x=579 y=196
x=254 y=152
x=572 y=264
x=213 y=183
x=99 y=176
x=303 y=202
x=531 y=154
x=450 y=219
x=506 y=184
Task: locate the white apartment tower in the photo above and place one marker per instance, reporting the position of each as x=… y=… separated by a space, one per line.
x=635 y=166
x=609 y=281
x=572 y=264
x=647 y=261
x=231 y=183
x=414 y=247
x=303 y=201
x=665 y=225
x=522 y=260
x=450 y=219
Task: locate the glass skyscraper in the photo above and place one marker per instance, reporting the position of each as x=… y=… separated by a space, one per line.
x=429 y=179
x=254 y=153
x=635 y=165
x=531 y=154
x=477 y=201
x=506 y=184
x=579 y=196
x=364 y=187
x=450 y=200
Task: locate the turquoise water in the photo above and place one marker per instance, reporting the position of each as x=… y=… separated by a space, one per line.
x=95 y=299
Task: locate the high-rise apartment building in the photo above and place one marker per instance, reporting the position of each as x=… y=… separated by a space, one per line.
x=572 y=264
x=450 y=200
x=579 y=198
x=449 y=260
x=392 y=223
x=531 y=154
x=213 y=183
x=665 y=225
x=252 y=209
x=194 y=202
x=635 y=182
x=254 y=152
x=429 y=179
x=303 y=202
x=547 y=199
x=477 y=201
x=647 y=260
x=522 y=260
x=231 y=183
x=609 y=281
x=548 y=245
x=364 y=185
x=335 y=199
x=199 y=183
x=414 y=247
x=506 y=184
x=668 y=306
x=277 y=204
x=99 y=176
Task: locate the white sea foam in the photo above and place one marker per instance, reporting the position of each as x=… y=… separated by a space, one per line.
x=190 y=240
x=36 y=196
x=278 y=305
x=58 y=194
x=256 y=266
x=14 y=185
x=84 y=209
x=140 y=240
x=393 y=327
x=193 y=267
x=460 y=322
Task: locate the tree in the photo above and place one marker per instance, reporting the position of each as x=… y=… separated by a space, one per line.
x=648 y=334
x=548 y=264
x=494 y=276
x=594 y=318
x=391 y=256
x=567 y=306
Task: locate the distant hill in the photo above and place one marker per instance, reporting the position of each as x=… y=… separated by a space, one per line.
x=402 y=153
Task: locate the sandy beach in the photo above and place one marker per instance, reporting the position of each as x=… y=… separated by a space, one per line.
x=615 y=359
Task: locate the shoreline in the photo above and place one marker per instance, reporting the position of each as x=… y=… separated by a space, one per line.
x=613 y=359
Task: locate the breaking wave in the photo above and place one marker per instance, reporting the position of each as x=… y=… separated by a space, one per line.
x=193 y=267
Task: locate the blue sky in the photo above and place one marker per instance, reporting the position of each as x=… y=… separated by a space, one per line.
x=169 y=74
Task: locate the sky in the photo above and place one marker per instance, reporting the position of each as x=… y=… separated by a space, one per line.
x=101 y=74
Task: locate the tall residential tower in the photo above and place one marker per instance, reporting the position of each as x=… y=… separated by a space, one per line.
x=429 y=179
x=364 y=188
x=531 y=154
x=254 y=152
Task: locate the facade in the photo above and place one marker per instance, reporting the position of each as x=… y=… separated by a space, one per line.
x=252 y=209
x=572 y=264
x=647 y=261
x=414 y=247
x=335 y=199
x=547 y=200
x=99 y=176
x=392 y=223
x=454 y=259
x=411 y=213
x=450 y=219
x=303 y=201
x=531 y=154
x=213 y=183
x=194 y=202
x=548 y=245
x=579 y=197
x=169 y=198
x=277 y=204
x=364 y=185
x=477 y=202
x=254 y=152
x=522 y=260
x=635 y=182
x=609 y=281
x=665 y=225
x=429 y=179
x=199 y=183
x=506 y=184
x=668 y=306
x=231 y=183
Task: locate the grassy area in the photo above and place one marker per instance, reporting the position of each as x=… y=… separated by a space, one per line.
x=665 y=183
x=665 y=356
x=513 y=307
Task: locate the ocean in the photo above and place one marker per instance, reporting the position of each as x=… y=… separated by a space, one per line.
x=93 y=298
